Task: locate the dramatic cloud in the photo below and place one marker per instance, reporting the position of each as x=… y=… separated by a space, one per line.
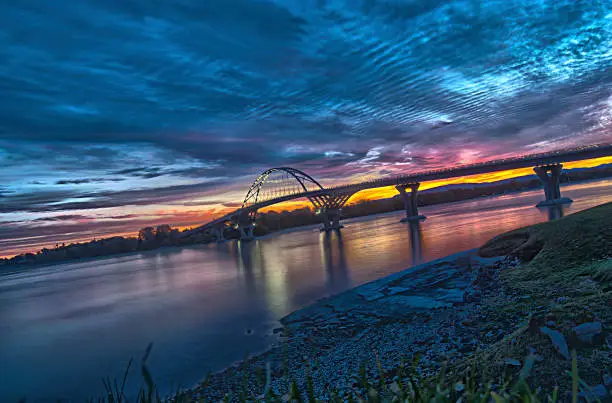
x=75 y=200
x=110 y=104
x=87 y=180
x=66 y=217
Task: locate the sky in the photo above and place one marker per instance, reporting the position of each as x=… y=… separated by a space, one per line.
x=117 y=114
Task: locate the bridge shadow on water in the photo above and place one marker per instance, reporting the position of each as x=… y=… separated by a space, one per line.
x=249 y=260
x=416 y=242
x=555 y=212
x=333 y=260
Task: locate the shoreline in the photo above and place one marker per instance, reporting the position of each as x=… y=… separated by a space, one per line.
x=345 y=327
x=28 y=267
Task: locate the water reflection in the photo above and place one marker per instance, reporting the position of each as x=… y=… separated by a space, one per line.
x=555 y=212
x=416 y=242
x=249 y=259
x=333 y=259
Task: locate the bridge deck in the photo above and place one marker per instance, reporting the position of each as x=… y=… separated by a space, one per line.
x=577 y=154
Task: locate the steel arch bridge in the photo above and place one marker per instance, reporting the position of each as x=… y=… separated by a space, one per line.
x=279 y=182
x=278 y=185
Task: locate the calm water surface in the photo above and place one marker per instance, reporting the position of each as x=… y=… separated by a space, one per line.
x=64 y=327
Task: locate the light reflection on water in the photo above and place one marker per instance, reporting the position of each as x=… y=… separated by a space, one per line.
x=63 y=327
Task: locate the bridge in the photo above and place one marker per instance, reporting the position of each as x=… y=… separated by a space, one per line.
x=283 y=184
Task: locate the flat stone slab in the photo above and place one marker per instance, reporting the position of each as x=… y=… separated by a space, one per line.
x=432 y=285
x=416 y=301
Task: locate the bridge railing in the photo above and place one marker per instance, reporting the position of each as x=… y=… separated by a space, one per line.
x=399 y=178
x=538 y=159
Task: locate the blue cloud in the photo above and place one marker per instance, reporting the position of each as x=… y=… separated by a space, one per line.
x=198 y=90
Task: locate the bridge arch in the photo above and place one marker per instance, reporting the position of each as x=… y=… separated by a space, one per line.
x=302 y=178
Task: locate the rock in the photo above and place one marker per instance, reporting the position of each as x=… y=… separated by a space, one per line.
x=589 y=333
x=588 y=284
x=465 y=348
x=597 y=392
x=535 y=324
x=512 y=362
x=467 y=322
x=558 y=341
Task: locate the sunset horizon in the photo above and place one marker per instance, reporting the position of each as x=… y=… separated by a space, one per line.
x=188 y=218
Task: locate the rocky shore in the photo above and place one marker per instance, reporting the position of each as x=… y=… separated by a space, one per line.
x=427 y=315
x=536 y=310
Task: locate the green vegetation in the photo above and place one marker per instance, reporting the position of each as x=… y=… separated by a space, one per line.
x=556 y=251
x=414 y=389
x=565 y=280
x=148 y=238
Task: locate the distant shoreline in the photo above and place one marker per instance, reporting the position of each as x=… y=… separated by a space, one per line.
x=27 y=267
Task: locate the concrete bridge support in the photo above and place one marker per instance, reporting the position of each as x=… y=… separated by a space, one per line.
x=331 y=220
x=410 y=201
x=549 y=175
x=330 y=207
x=218 y=233
x=246 y=224
x=246 y=232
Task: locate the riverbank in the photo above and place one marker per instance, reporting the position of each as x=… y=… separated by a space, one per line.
x=536 y=292
x=421 y=311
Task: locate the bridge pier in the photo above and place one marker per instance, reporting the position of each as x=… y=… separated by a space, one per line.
x=549 y=176
x=246 y=232
x=218 y=234
x=410 y=201
x=245 y=224
x=331 y=220
x=330 y=206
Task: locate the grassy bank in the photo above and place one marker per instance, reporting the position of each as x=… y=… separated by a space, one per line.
x=564 y=281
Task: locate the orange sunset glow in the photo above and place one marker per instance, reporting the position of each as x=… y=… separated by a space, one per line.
x=390 y=191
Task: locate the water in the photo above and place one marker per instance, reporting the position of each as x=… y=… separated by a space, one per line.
x=64 y=327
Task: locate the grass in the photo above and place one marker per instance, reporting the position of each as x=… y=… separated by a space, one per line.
x=410 y=389
x=565 y=279
x=552 y=250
